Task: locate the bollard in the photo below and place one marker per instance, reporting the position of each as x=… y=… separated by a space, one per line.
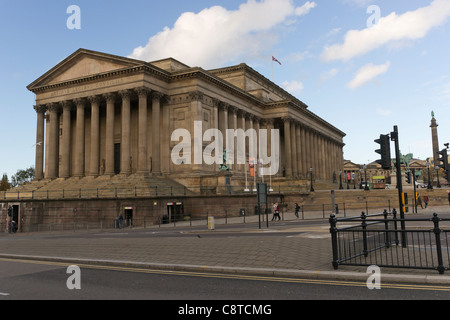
x=437 y=232
x=334 y=245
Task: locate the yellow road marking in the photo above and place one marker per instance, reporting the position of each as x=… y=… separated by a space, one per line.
x=236 y=276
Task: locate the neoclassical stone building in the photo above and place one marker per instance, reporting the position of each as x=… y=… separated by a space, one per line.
x=102 y=115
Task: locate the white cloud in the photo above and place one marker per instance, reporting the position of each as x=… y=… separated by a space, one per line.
x=329 y=74
x=367 y=73
x=391 y=29
x=384 y=112
x=292 y=86
x=216 y=35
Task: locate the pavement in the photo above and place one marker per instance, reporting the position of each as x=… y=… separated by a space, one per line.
x=289 y=248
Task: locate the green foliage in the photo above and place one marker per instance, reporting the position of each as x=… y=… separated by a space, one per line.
x=22 y=176
x=4 y=183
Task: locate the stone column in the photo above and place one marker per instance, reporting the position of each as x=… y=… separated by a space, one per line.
x=233 y=124
x=95 y=136
x=298 y=140
x=79 y=141
x=156 y=140
x=287 y=147
x=125 y=140
x=109 y=161
x=40 y=129
x=239 y=143
x=307 y=155
x=293 y=150
x=65 y=148
x=142 y=137
x=53 y=142
x=435 y=140
x=223 y=119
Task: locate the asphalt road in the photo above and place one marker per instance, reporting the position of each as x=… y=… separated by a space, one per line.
x=34 y=280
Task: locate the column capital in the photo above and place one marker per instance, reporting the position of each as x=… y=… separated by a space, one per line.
x=286 y=120
x=40 y=108
x=110 y=97
x=224 y=106
x=142 y=91
x=267 y=121
x=157 y=95
x=67 y=105
x=216 y=102
x=53 y=107
x=233 y=109
x=94 y=99
x=125 y=94
x=196 y=95
x=80 y=102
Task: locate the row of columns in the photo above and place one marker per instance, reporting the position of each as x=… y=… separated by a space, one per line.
x=52 y=112
x=304 y=147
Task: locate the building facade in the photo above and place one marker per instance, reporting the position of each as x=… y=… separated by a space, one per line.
x=102 y=115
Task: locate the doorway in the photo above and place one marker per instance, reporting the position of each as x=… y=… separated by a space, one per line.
x=128 y=216
x=175 y=211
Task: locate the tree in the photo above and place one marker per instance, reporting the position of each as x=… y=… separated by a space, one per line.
x=22 y=176
x=4 y=183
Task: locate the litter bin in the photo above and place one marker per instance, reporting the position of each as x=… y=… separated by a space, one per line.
x=211 y=224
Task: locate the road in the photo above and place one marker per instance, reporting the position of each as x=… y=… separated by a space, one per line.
x=31 y=280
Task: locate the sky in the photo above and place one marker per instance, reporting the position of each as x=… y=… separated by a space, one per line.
x=362 y=65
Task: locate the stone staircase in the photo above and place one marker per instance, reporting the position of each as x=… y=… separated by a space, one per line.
x=118 y=186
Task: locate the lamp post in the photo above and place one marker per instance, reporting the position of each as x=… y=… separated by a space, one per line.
x=311 y=175
x=360 y=179
x=438 y=184
x=430 y=186
x=366 y=187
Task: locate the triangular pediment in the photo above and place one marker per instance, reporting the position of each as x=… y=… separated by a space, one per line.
x=81 y=64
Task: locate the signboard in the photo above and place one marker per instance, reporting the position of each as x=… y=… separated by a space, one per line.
x=252 y=167
x=262 y=193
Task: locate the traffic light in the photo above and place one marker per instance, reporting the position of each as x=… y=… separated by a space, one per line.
x=408 y=177
x=443 y=163
x=384 y=151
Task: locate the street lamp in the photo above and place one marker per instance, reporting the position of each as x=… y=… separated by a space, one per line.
x=438 y=185
x=366 y=187
x=311 y=175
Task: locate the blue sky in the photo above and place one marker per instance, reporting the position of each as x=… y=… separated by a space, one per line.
x=361 y=72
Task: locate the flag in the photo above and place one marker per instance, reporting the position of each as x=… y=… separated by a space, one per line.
x=273 y=59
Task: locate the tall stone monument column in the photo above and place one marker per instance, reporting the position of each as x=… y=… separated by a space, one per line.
x=434 y=136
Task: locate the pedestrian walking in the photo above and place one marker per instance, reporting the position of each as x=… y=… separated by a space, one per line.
x=297 y=208
x=276 y=212
x=419 y=200
x=120 y=221
x=426 y=200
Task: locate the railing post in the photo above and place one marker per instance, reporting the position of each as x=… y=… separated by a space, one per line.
x=364 y=227
x=334 y=244
x=394 y=214
x=437 y=232
x=386 y=227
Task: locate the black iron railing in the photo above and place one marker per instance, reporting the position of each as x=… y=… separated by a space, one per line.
x=387 y=241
